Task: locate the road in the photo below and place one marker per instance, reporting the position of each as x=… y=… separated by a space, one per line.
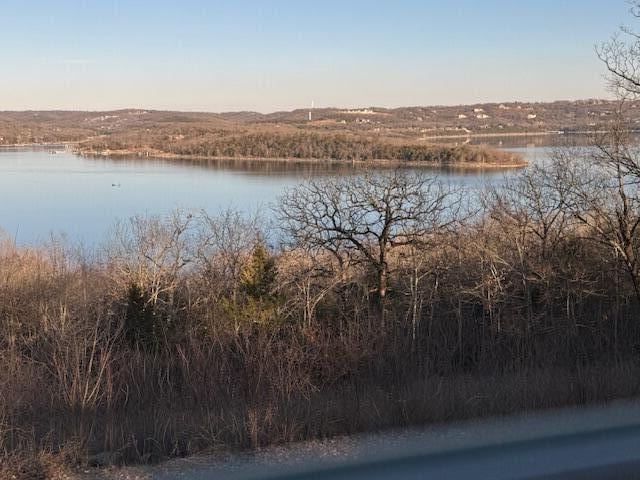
x=587 y=443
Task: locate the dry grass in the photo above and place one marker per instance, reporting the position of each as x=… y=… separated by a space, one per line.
x=180 y=338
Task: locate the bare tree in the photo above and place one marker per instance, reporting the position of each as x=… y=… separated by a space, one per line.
x=362 y=218
x=151 y=251
x=607 y=200
x=223 y=243
x=310 y=277
x=531 y=212
x=535 y=201
x=146 y=259
x=621 y=55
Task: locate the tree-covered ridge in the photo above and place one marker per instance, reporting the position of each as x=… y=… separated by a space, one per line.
x=408 y=123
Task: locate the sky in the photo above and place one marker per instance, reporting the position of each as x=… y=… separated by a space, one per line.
x=208 y=55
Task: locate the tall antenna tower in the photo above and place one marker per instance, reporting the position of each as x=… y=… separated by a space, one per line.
x=310 y=110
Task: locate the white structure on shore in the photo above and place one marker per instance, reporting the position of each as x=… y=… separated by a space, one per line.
x=359 y=111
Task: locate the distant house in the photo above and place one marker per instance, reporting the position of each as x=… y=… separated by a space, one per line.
x=503 y=107
x=360 y=111
x=478 y=110
x=462 y=115
x=531 y=116
x=482 y=116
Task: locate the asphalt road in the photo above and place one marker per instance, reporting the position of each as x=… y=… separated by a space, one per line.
x=593 y=443
x=613 y=453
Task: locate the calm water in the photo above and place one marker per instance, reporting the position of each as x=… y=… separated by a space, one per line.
x=43 y=193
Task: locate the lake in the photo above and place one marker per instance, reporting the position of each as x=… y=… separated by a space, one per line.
x=44 y=193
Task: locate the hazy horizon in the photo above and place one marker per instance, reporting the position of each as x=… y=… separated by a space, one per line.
x=249 y=56
x=328 y=107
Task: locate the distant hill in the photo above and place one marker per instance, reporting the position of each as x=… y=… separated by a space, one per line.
x=461 y=119
x=402 y=124
x=366 y=134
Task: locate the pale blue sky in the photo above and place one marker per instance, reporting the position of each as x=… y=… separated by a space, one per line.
x=266 y=56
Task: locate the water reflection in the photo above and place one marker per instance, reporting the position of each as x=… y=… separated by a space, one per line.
x=291 y=168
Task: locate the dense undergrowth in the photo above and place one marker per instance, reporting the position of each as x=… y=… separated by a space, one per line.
x=190 y=332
